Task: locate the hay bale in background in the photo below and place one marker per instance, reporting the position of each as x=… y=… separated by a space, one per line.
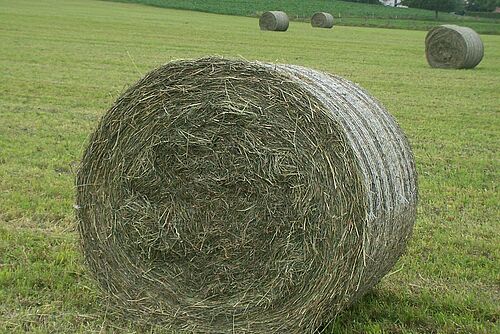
x=322 y=20
x=274 y=21
x=451 y=46
x=224 y=196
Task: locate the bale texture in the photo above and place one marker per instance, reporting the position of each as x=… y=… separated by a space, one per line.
x=225 y=196
x=274 y=21
x=451 y=46
x=322 y=20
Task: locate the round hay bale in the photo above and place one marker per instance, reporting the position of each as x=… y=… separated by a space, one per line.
x=274 y=21
x=451 y=46
x=226 y=196
x=322 y=20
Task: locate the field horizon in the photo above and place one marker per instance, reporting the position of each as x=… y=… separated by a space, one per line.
x=64 y=62
x=345 y=13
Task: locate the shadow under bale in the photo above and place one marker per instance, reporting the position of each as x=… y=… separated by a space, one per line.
x=225 y=196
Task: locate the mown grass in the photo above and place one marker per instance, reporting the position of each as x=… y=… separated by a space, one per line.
x=63 y=63
x=345 y=13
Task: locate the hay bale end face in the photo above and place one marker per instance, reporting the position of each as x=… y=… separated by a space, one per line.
x=274 y=21
x=322 y=20
x=225 y=196
x=451 y=46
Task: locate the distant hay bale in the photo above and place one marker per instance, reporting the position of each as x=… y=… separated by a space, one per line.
x=451 y=46
x=322 y=20
x=225 y=196
x=274 y=21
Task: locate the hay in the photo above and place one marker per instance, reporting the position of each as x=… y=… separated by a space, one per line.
x=224 y=196
x=322 y=20
x=451 y=46
x=274 y=21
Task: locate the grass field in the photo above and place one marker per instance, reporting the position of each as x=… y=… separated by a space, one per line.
x=345 y=13
x=64 y=62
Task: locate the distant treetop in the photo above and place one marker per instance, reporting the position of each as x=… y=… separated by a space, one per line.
x=436 y=5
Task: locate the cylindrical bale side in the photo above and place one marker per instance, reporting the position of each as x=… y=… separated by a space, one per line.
x=274 y=21
x=225 y=196
x=322 y=20
x=385 y=161
x=451 y=46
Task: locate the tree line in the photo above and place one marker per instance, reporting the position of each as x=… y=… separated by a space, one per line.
x=445 y=5
x=454 y=5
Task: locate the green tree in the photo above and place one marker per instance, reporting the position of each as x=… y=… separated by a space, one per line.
x=482 y=5
x=435 y=5
x=374 y=2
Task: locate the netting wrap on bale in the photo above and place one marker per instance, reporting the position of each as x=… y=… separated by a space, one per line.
x=451 y=46
x=274 y=21
x=322 y=20
x=225 y=196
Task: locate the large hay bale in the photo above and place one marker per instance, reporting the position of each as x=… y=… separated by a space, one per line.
x=224 y=196
x=451 y=46
x=322 y=20
x=274 y=21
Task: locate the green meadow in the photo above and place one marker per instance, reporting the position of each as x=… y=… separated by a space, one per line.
x=64 y=62
x=345 y=13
